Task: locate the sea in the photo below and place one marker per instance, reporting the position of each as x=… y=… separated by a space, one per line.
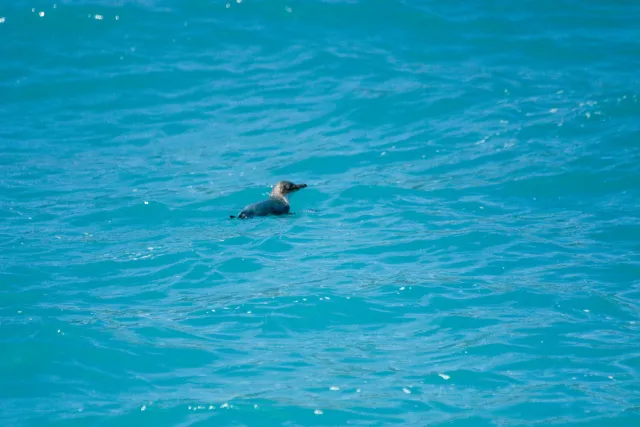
x=466 y=252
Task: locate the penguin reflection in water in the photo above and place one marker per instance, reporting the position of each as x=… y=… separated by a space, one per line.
x=276 y=204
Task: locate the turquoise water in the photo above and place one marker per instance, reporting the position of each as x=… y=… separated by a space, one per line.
x=467 y=252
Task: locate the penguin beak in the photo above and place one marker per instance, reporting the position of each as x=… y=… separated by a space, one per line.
x=299 y=187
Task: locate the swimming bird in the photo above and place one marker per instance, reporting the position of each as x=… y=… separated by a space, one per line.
x=276 y=204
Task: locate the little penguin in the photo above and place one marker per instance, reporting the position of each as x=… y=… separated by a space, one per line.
x=276 y=204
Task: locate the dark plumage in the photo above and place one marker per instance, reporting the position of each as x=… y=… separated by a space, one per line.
x=276 y=204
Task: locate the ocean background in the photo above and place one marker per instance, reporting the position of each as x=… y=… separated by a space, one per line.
x=466 y=253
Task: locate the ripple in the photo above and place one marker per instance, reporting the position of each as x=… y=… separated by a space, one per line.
x=465 y=251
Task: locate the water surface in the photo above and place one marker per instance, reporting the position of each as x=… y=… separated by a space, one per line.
x=466 y=252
